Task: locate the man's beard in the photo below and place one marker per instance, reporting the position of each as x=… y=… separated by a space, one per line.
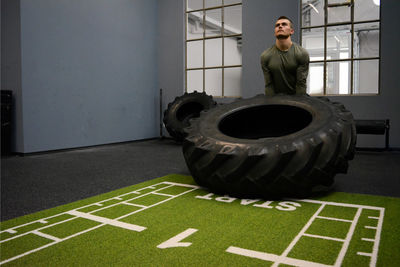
x=282 y=36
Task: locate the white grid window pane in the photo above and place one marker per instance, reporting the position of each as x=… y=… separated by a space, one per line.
x=366 y=10
x=233 y=20
x=366 y=76
x=229 y=2
x=339 y=42
x=195 y=54
x=366 y=40
x=315 y=79
x=212 y=3
x=339 y=14
x=232 y=51
x=213 y=20
x=194 y=81
x=232 y=81
x=313 y=41
x=338 y=80
x=194 y=25
x=313 y=12
x=213 y=79
x=194 y=4
x=213 y=52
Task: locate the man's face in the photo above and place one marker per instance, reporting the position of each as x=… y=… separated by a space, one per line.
x=283 y=29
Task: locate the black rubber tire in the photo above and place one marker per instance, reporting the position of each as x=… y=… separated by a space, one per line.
x=270 y=147
x=179 y=112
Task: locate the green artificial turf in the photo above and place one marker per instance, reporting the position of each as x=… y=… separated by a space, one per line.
x=134 y=226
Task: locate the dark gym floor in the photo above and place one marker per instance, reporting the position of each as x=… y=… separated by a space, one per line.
x=35 y=182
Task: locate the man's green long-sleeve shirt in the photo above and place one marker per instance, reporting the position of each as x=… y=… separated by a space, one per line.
x=285 y=71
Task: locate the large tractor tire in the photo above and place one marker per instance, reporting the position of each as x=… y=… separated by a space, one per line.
x=270 y=147
x=184 y=108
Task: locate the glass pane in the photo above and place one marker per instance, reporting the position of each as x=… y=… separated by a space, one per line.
x=212 y=3
x=366 y=77
x=232 y=51
x=313 y=41
x=232 y=79
x=366 y=10
x=194 y=55
x=313 y=12
x=214 y=82
x=233 y=20
x=339 y=42
x=194 y=25
x=194 y=81
x=194 y=4
x=213 y=50
x=315 y=80
x=338 y=78
x=213 y=22
x=230 y=2
x=366 y=40
x=339 y=14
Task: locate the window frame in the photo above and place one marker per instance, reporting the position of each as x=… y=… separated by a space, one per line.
x=351 y=59
x=221 y=36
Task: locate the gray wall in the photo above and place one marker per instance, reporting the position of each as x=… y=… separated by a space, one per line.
x=11 y=63
x=88 y=73
x=258 y=20
x=171 y=49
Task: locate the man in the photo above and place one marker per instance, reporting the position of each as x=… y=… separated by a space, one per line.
x=285 y=65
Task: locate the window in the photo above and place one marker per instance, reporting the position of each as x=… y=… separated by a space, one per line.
x=214 y=47
x=342 y=37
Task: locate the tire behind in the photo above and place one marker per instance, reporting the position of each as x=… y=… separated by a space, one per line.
x=184 y=108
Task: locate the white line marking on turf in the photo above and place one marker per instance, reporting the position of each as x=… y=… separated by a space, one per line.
x=185 y=185
x=158 y=203
x=365 y=254
x=345 y=246
x=140 y=196
x=373 y=217
x=325 y=237
x=100 y=205
x=87 y=230
x=38 y=229
x=91 y=217
x=46 y=236
x=368 y=239
x=377 y=238
x=333 y=219
x=296 y=239
x=151 y=187
x=162 y=194
x=132 y=204
x=48 y=245
x=175 y=241
x=339 y=204
x=272 y=257
x=11 y=231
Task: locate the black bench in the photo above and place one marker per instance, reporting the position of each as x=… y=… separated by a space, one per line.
x=375 y=127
